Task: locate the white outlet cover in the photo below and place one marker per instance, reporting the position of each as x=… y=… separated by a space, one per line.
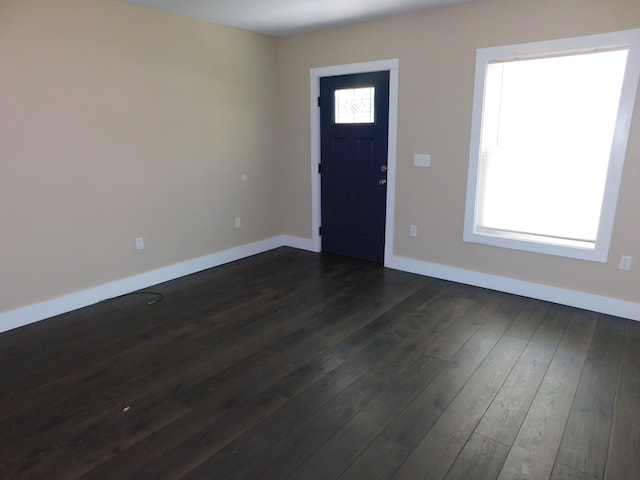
x=422 y=160
x=625 y=262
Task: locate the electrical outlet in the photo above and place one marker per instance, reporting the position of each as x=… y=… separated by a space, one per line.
x=625 y=262
x=413 y=230
x=139 y=243
x=238 y=222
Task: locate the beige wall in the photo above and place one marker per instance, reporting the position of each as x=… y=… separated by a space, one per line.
x=436 y=50
x=118 y=121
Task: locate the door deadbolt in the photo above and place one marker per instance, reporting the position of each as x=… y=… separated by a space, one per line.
x=384 y=168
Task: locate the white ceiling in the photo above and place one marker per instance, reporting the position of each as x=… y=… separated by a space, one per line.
x=286 y=17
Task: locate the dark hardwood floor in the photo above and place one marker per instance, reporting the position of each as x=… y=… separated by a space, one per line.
x=293 y=365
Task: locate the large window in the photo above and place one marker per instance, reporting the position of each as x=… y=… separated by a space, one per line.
x=549 y=134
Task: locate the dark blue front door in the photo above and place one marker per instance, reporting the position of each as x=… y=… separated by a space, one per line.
x=354 y=125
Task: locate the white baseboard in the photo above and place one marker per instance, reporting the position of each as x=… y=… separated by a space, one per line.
x=66 y=303
x=300 y=243
x=572 y=298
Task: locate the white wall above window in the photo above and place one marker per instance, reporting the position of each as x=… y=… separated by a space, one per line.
x=549 y=134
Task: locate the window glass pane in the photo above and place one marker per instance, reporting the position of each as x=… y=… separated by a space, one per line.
x=355 y=105
x=547 y=131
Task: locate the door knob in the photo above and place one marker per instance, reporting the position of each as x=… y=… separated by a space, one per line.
x=382 y=181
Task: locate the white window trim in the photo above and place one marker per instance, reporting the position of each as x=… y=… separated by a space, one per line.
x=627 y=38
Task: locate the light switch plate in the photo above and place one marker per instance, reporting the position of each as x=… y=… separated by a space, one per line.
x=422 y=160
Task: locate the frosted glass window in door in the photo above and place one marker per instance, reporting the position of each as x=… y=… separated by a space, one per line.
x=355 y=105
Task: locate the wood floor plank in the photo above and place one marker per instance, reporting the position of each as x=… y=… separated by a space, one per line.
x=534 y=450
x=175 y=435
x=411 y=327
x=505 y=415
x=387 y=452
x=305 y=375
x=466 y=315
x=315 y=431
x=624 y=449
x=562 y=472
x=403 y=320
x=481 y=458
x=334 y=456
x=436 y=453
x=76 y=451
x=586 y=436
x=181 y=459
x=528 y=319
x=348 y=368
x=312 y=434
x=451 y=339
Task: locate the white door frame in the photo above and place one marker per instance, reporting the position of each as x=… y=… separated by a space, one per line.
x=391 y=65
